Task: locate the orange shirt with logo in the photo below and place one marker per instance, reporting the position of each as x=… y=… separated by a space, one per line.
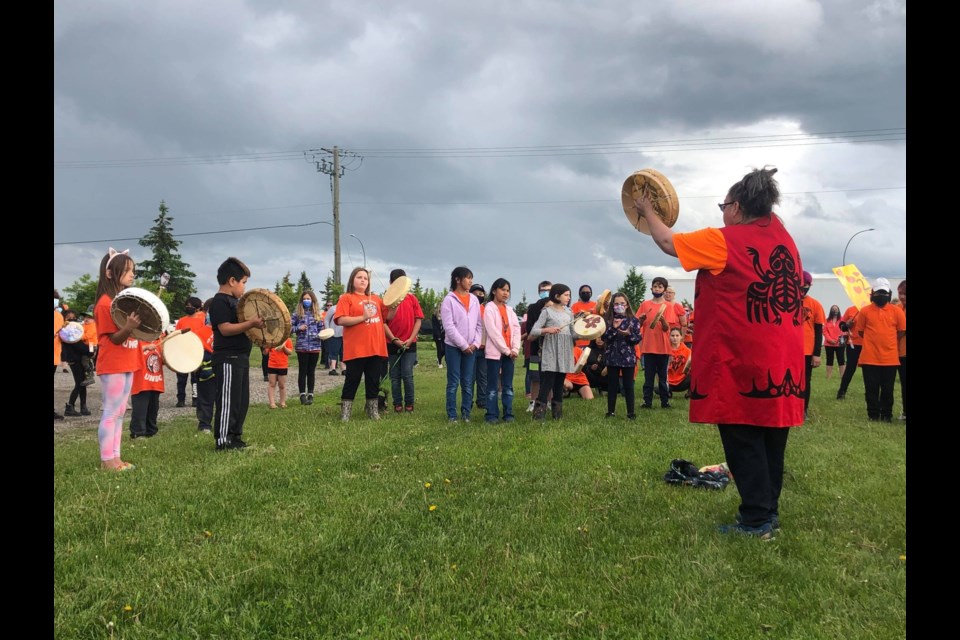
x=677 y=368
x=114 y=358
x=878 y=326
x=150 y=375
x=367 y=338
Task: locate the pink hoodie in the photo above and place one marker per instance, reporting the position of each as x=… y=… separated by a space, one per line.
x=496 y=347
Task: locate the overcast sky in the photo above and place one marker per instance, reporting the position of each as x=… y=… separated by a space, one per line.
x=495 y=135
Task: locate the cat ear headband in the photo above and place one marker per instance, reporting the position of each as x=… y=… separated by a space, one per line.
x=113 y=253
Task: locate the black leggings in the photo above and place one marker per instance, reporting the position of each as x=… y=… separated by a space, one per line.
x=79 y=391
x=839 y=351
x=307 y=372
x=613 y=386
x=441 y=350
x=370 y=369
x=551 y=381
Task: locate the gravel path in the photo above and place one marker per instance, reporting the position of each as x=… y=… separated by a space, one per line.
x=63 y=384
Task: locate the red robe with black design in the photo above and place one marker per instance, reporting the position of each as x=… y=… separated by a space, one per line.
x=749 y=367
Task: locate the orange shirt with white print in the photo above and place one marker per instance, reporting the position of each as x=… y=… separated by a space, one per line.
x=367 y=338
x=677 y=369
x=114 y=358
x=879 y=326
x=150 y=375
x=277 y=359
x=812 y=315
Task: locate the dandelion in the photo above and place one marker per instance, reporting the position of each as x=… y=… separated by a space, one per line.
x=903 y=557
x=433 y=507
x=207 y=534
x=453 y=567
x=446 y=480
x=427 y=485
x=127 y=607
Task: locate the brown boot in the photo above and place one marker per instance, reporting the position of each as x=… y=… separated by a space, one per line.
x=346 y=406
x=373 y=411
x=556 y=410
x=539 y=411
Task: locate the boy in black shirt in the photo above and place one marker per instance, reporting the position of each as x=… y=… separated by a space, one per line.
x=231 y=355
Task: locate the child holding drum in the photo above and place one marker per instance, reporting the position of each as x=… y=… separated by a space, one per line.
x=119 y=356
x=556 y=353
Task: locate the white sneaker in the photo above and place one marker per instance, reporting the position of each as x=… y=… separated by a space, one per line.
x=440 y=366
x=530 y=407
x=903 y=416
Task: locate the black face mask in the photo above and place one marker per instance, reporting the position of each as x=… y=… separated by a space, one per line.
x=189 y=310
x=880 y=299
x=585 y=295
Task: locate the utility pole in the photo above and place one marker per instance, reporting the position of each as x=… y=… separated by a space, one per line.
x=335 y=170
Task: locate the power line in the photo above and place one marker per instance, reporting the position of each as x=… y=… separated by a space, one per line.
x=613 y=148
x=490 y=203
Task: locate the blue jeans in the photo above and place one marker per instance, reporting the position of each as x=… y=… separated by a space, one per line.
x=460 y=370
x=500 y=370
x=401 y=368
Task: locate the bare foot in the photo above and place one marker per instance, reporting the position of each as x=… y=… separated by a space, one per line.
x=283 y=405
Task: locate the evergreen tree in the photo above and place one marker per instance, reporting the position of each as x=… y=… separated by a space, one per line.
x=166 y=259
x=521 y=307
x=331 y=290
x=430 y=300
x=417 y=290
x=286 y=292
x=303 y=284
x=635 y=287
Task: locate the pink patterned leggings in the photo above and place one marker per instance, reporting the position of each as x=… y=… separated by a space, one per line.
x=116 y=391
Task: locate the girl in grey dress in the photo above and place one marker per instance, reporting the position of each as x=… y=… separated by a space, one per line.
x=556 y=352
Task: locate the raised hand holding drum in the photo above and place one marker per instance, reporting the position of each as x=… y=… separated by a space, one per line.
x=662 y=196
x=154 y=316
x=603 y=303
x=659 y=314
x=276 y=317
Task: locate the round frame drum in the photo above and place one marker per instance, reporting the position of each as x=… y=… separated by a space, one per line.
x=589 y=327
x=582 y=360
x=661 y=193
x=659 y=314
x=276 y=317
x=326 y=334
x=154 y=316
x=71 y=333
x=182 y=351
x=603 y=303
x=397 y=291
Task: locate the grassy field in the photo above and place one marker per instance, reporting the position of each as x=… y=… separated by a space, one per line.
x=416 y=528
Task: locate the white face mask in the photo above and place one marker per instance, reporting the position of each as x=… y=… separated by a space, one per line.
x=619 y=308
x=56 y=302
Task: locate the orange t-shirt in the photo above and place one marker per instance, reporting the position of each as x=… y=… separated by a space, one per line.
x=465 y=299
x=688 y=334
x=655 y=340
x=367 y=338
x=114 y=358
x=57 y=325
x=150 y=375
x=277 y=359
x=90 y=332
x=849 y=317
x=703 y=249
x=677 y=368
x=506 y=322
x=578 y=378
x=879 y=326
x=812 y=315
x=586 y=307
x=192 y=322
x=205 y=333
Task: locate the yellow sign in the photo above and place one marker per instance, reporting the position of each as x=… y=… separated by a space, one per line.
x=854 y=284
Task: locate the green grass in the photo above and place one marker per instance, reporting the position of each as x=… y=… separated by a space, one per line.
x=561 y=530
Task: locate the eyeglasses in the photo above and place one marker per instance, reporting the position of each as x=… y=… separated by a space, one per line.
x=724 y=205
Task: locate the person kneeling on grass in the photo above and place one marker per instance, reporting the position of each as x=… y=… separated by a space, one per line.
x=678 y=370
x=577 y=382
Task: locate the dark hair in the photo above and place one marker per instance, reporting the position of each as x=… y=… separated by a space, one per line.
x=457 y=275
x=756 y=192
x=56 y=294
x=903 y=284
x=558 y=290
x=660 y=280
x=194 y=302
x=232 y=268
x=207 y=303
x=544 y=283
x=118 y=267
x=67 y=313
x=608 y=316
x=833 y=315
x=396 y=273
x=585 y=286
x=499 y=283
x=353 y=274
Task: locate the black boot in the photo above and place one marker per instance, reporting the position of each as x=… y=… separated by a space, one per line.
x=539 y=411
x=70 y=411
x=83 y=410
x=556 y=410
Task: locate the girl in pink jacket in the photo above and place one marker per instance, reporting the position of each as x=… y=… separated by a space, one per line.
x=502 y=328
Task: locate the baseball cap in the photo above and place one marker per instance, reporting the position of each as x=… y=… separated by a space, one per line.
x=881 y=284
x=477 y=287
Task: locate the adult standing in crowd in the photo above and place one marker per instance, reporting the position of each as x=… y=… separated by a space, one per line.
x=747 y=375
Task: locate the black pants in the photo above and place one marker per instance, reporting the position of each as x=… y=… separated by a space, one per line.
x=613 y=387
x=206 y=397
x=755 y=457
x=853 y=356
x=264 y=363
x=838 y=352
x=903 y=383
x=808 y=377
x=441 y=350
x=307 y=370
x=878 y=383
x=79 y=391
x=182 y=386
x=655 y=365
x=146 y=407
x=369 y=369
x=232 y=399
x=551 y=381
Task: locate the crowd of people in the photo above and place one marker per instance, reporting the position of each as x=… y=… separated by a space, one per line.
x=753 y=384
